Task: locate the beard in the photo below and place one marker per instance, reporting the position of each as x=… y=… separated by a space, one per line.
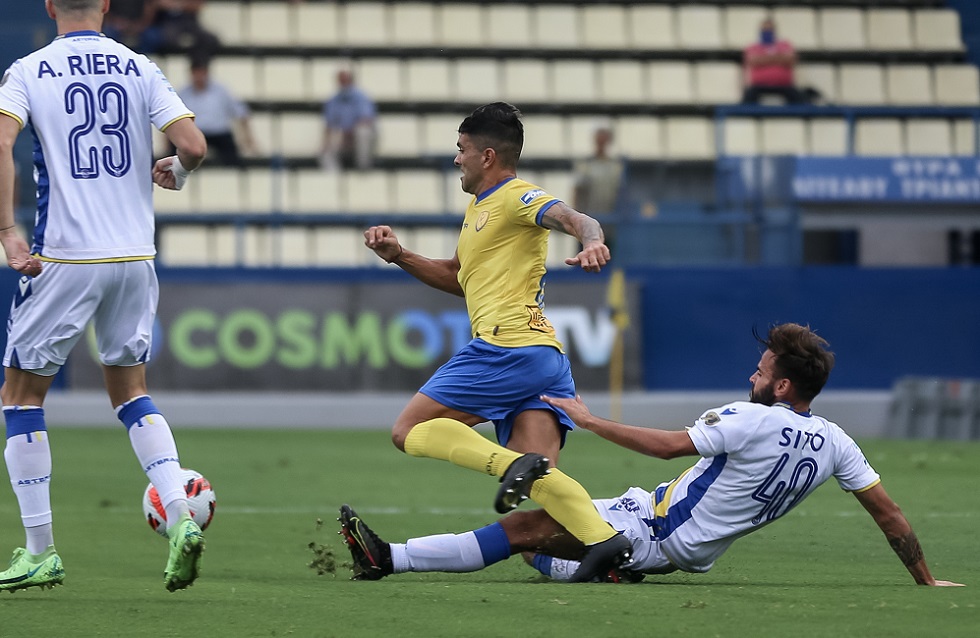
x=763 y=394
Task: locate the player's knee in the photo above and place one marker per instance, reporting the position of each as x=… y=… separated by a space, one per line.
x=398 y=435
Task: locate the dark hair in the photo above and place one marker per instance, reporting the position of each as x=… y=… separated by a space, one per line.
x=800 y=356
x=498 y=126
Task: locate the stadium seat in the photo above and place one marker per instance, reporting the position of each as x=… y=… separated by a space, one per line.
x=381 y=78
x=225 y=20
x=545 y=136
x=509 y=26
x=842 y=29
x=311 y=191
x=323 y=77
x=265 y=134
x=427 y=79
x=223 y=246
x=621 y=82
x=717 y=82
x=957 y=85
x=928 y=136
x=413 y=24
x=439 y=243
x=670 y=82
x=182 y=201
x=300 y=134
x=399 y=135
x=574 y=81
x=476 y=80
x=556 y=26
x=526 y=80
x=284 y=78
x=798 y=25
x=184 y=245
x=689 y=138
x=878 y=137
x=460 y=25
x=699 y=27
x=819 y=76
x=936 y=30
x=342 y=247
x=741 y=136
x=581 y=134
x=604 y=27
x=178 y=71
x=317 y=24
x=239 y=74
x=560 y=248
x=367 y=192
x=294 y=247
x=560 y=184
x=783 y=136
x=365 y=24
x=889 y=29
x=418 y=192
x=269 y=23
x=651 y=27
x=265 y=190
x=742 y=25
x=258 y=247
x=862 y=84
x=456 y=199
x=220 y=190
x=639 y=137
x=439 y=134
x=827 y=137
x=907 y=84
x=965 y=138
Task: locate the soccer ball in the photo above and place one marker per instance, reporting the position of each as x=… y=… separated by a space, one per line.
x=200 y=499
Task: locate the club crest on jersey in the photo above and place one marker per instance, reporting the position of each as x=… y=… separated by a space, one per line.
x=482 y=220
x=711 y=418
x=530 y=196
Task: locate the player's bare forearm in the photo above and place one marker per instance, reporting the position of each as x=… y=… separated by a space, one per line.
x=594 y=254
x=437 y=273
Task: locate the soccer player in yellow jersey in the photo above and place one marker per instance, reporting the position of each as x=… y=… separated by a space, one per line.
x=514 y=356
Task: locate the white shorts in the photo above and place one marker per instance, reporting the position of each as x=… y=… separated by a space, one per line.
x=628 y=514
x=51 y=311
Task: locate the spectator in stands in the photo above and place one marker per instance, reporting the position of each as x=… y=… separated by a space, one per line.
x=220 y=115
x=598 y=180
x=349 y=134
x=768 y=66
x=131 y=22
x=181 y=31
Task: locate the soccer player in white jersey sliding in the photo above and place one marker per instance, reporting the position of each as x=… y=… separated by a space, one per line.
x=90 y=103
x=759 y=459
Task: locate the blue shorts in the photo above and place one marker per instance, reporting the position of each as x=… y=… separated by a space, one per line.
x=498 y=383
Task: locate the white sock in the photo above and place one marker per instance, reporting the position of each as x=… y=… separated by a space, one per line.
x=555 y=568
x=439 y=553
x=28 y=458
x=154 y=445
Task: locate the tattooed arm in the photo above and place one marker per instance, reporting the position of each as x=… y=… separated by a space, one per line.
x=899 y=534
x=564 y=218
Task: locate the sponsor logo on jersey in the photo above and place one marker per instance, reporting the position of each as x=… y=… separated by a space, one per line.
x=728 y=411
x=530 y=196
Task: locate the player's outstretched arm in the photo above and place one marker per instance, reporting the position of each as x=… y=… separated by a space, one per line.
x=441 y=274
x=663 y=444
x=898 y=531
x=594 y=254
x=18 y=252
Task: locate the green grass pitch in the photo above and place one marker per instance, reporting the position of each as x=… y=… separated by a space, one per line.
x=824 y=570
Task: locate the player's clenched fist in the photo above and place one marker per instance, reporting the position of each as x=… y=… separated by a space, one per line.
x=384 y=243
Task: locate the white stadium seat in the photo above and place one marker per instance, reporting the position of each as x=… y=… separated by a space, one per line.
x=456 y=199
x=889 y=29
x=783 y=136
x=294 y=247
x=651 y=27
x=220 y=190
x=604 y=26
x=460 y=25
x=269 y=23
x=439 y=243
x=265 y=133
x=741 y=136
x=427 y=79
x=418 y=192
x=798 y=25
x=862 y=84
x=413 y=24
x=545 y=136
x=300 y=134
x=742 y=25
x=239 y=74
x=342 y=247
x=223 y=245
x=670 y=82
x=365 y=24
x=184 y=245
x=842 y=29
x=556 y=26
x=225 y=20
x=182 y=201
x=689 y=138
x=621 y=82
x=439 y=134
x=560 y=248
x=367 y=192
x=258 y=247
x=699 y=27
x=560 y=184
x=399 y=135
x=526 y=80
x=311 y=191
x=878 y=137
x=717 y=82
x=265 y=190
x=323 y=77
x=819 y=76
x=509 y=25
x=317 y=23
x=581 y=134
x=957 y=85
x=573 y=81
x=827 y=137
x=937 y=30
x=476 y=80
x=928 y=136
x=639 y=137
x=908 y=84
x=381 y=78
x=284 y=78
x=965 y=137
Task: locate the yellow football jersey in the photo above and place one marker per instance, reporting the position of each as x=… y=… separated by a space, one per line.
x=502 y=249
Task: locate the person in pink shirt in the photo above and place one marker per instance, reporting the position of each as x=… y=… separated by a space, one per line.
x=769 y=65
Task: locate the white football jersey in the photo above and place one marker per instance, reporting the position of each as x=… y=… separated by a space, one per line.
x=759 y=462
x=90 y=102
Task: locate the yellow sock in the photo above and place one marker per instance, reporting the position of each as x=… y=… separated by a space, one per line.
x=454 y=441
x=568 y=503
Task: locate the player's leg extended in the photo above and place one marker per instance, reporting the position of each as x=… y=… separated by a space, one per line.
x=28 y=458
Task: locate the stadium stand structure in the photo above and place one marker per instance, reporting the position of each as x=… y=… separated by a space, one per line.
x=665 y=73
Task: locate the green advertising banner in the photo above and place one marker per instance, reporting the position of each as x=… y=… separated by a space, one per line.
x=345 y=337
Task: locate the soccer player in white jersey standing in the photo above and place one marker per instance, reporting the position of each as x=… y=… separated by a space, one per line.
x=90 y=103
x=689 y=522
